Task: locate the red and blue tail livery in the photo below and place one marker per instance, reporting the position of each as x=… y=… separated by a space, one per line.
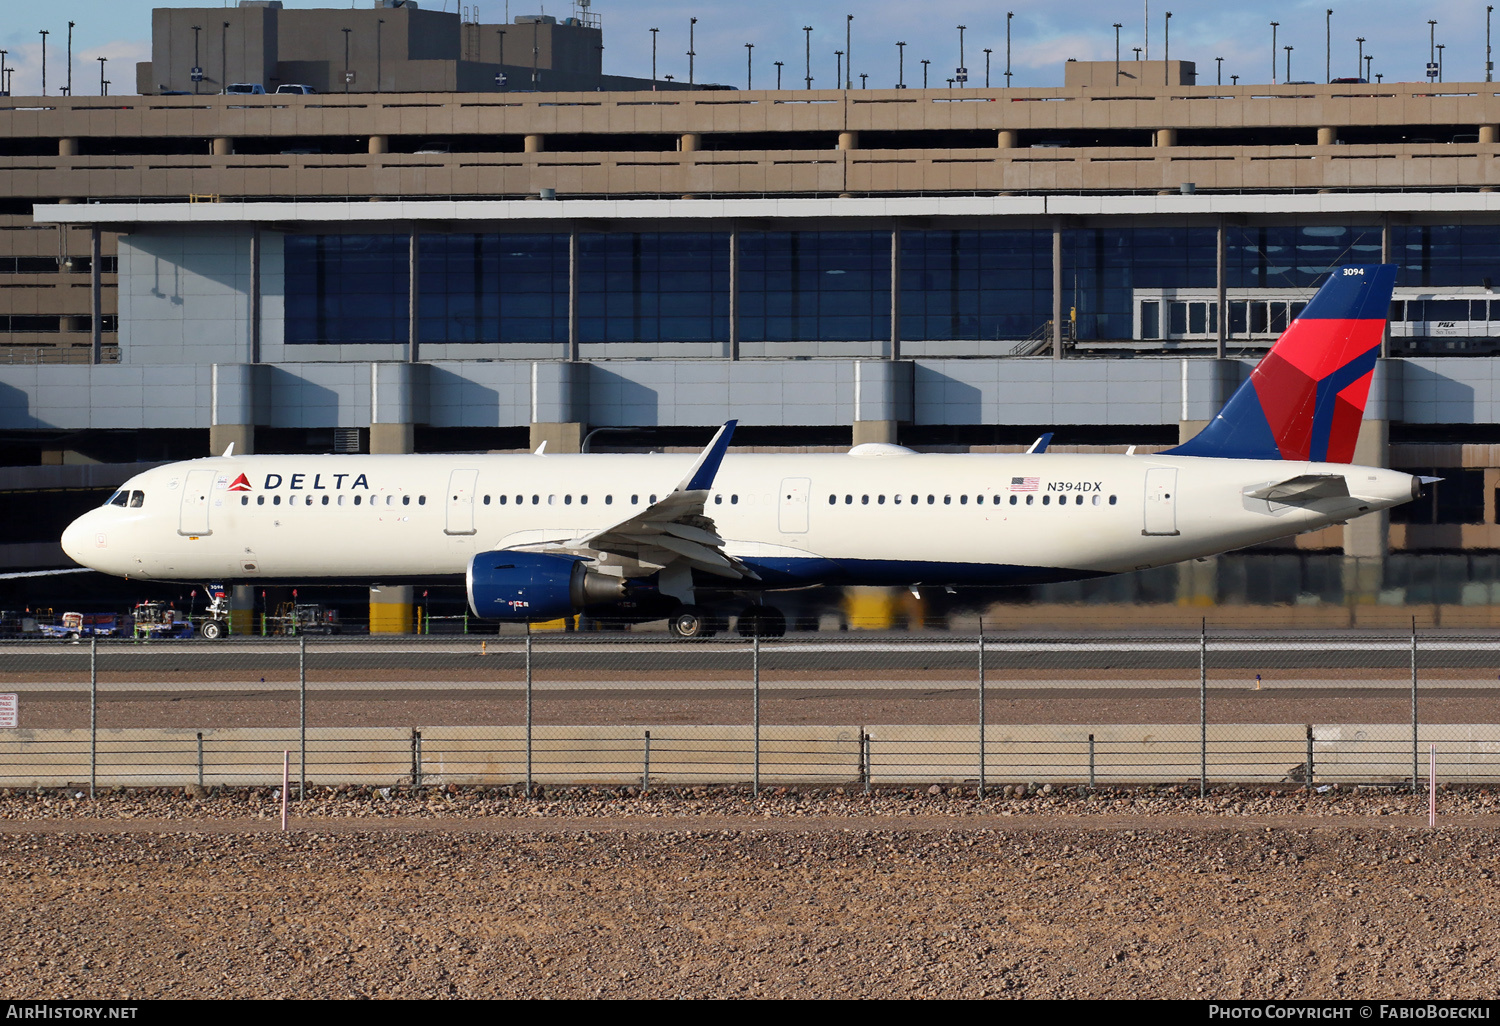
x=1305 y=399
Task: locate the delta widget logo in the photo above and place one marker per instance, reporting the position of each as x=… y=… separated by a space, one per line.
x=240 y=484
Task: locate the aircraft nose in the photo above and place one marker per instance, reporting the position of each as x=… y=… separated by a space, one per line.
x=78 y=539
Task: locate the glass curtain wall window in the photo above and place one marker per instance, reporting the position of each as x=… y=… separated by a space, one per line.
x=653 y=287
x=815 y=286
x=493 y=288
x=346 y=289
x=1103 y=266
x=975 y=285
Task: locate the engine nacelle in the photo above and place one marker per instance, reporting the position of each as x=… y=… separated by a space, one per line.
x=532 y=586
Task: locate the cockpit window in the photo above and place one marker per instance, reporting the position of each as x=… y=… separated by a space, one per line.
x=137 y=499
x=119 y=498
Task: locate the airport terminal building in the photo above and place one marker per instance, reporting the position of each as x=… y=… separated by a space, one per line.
x=401 y=271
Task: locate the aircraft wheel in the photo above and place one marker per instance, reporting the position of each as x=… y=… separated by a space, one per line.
x=212 y=630
x=765 y=621
x=689 y=622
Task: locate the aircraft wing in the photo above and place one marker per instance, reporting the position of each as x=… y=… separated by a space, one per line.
x=1302 y=488
x=673 y=529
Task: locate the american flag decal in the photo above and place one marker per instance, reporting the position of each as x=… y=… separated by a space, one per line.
x=1023 y=484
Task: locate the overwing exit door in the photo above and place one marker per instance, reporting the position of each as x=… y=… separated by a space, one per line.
x=1161 y=501
x=793 y=502
x=461 y=485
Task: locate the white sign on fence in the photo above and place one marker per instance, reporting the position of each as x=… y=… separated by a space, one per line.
x=8 y=707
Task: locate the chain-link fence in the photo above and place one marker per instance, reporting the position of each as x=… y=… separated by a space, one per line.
x=1212 y=705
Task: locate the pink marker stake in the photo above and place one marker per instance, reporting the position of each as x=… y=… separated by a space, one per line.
x=286 y=766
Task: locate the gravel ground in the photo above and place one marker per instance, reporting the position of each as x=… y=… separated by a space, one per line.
x=705 y=893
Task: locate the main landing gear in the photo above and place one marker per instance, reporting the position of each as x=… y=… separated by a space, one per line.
x=691 y=622
x=755 y=620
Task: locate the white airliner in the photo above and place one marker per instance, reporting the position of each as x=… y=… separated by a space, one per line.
x=540 y=536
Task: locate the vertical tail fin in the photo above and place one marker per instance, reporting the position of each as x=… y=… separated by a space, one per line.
x=1306 y=397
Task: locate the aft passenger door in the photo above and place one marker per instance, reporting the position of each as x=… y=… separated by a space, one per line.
x=461 y=485
x=193 y=519
x=1161 y=501
x=795 y=492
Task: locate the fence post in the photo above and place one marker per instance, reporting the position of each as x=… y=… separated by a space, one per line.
x=1309 y=759
x=981 y=707
x=1414 y=756
x=646 y=765
x=416 y=759
x=1203 y=708
x=302 y=716
x=200 y=758
x=528 y=710
x=867 y=767
x=755 y=676
x=93 y=712
x=1091 y=760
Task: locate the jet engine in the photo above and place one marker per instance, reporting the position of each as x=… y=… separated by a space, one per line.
x=531 y=586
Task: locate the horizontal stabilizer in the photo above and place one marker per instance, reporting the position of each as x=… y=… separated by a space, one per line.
x=1303 y=488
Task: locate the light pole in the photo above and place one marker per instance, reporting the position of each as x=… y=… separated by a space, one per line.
x=925 y=62
x=1361 y=62
x=378 y=53
x=1273 y=51
x=778 y=76
x=1008 y=16
x=901 y=65
x=1328 y=46
x=1137 y=50
x=1431 y=47
x=1166 y=47
x=1288 y=50
x=1369 y=59
x=962 y=67
x=224 y=56
x=653 y=59
x=1440 y=60
x=4 y=89
x=749 y=66
x=1234 y=80
x=196 y=81
x=849 y=49
x=838 y=66
x=101 y=61
x=346 y=60
x=44 y=35
x=807 y=30
x=1220 y=61
x=1489 y=65
x=70 y=58
x=988 y=51
x=1117 y=54
x=863 y=76
x=692 y=26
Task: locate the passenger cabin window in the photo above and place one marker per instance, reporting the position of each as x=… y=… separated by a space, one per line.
x=406 y=500
x=421 y=500
x=244 y=500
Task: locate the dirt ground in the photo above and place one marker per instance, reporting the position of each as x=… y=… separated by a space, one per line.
x=706 y=893
x=402 y=708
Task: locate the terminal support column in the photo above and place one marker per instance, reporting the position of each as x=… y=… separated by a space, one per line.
x=883 y=398
x=558 y=389
x=232 y=408
x=393 y=401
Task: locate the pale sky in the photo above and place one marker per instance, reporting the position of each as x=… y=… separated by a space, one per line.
x=1044 y=33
